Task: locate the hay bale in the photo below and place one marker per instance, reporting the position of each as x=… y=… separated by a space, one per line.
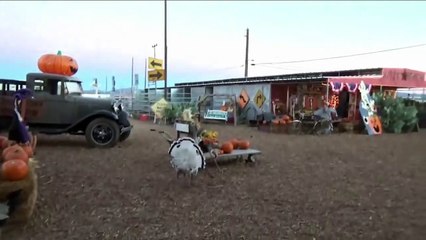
x=26 y=199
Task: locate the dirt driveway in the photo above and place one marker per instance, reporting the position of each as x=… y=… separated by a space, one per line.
x=303 y=187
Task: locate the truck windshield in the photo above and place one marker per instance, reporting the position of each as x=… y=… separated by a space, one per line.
x=73 y=88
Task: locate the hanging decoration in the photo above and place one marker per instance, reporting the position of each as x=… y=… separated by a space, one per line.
x=336 y=87
x=334 y=101
x=352 y=87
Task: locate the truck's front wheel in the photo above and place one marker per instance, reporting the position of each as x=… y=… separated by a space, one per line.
x=102 y=133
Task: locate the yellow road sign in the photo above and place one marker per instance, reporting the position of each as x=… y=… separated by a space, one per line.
x=155 y=63
x=159 y=106
x=259 y=98
x=243 y=99
x=156 y=75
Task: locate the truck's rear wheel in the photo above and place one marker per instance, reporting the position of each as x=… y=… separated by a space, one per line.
x=102 y=133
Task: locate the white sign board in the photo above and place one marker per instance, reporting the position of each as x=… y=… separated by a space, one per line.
x=216 y=115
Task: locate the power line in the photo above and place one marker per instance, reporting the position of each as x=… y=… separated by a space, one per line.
x=345 y=56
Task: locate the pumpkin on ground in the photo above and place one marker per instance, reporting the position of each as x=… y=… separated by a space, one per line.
x=57 y=64
x=15 y=152
x=286 y=118
x=244 y=144
x=14 y=170
x=227 y=147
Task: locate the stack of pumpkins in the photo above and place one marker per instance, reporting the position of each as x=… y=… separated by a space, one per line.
x=229 y=146
x=286 y=119
x=15 y=160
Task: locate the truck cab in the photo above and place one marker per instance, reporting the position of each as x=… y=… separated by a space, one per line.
x=58 y=107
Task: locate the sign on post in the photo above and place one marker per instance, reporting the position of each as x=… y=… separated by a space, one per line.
x=259 y=98
x=156 y=75
x=155 y=63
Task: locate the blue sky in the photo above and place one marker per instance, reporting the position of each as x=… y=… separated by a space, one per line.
x=206 y=38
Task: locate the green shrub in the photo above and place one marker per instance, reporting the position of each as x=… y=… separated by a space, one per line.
x=395 y=114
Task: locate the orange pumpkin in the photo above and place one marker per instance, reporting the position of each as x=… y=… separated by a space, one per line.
x=375 y=124
x=276 y=121
x=15 y=152
x=234 y=142
x=227 y=147
x=14 y=170
x=57 y=64
x=28 y=149
x=286 y=118
x=244 y=144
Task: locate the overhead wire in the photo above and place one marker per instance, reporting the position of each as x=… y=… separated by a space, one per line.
x=344 y=56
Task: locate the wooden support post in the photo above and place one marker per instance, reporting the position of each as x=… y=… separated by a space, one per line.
x=288 y=99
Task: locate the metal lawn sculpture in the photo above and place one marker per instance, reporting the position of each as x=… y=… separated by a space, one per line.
x=368 y=111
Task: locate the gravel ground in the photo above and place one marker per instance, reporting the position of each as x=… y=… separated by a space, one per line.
x=302 y=187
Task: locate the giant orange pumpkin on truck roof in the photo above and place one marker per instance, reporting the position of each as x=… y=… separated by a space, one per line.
x=57 y=64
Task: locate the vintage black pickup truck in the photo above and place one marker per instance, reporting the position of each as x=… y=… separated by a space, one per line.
x=58 y=107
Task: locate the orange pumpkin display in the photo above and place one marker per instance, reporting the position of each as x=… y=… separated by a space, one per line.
x=15 y=152
x=57 y=64
x=227 y=147
x=286 y=118
x=28 y=149
x=14 y=170
x=235 y=143
x=244 y=144
x=375 y=124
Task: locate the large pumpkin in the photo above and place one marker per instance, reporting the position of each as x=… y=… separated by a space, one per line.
x=14 y=170
x=227 y=147
x=57 y=64
x=15 y=152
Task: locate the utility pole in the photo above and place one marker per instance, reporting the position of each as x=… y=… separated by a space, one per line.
x=247 y=48
x=165 y=49
x=132 y=85
x=145 y=72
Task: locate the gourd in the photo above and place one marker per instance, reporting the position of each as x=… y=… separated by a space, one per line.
x=14 y=170
x=57 y=64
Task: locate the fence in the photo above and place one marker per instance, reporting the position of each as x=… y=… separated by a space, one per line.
x=144 y=100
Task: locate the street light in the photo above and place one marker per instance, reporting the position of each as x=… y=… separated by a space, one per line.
x=153 y=46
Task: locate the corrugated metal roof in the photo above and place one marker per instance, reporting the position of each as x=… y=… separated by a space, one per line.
x=297 y=77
